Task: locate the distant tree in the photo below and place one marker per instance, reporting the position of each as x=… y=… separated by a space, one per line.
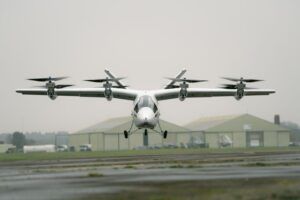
x=18 y=139
x=8 y=138
x=30 y=142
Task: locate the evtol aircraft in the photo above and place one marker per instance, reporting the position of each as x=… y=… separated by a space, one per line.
x=145 y=113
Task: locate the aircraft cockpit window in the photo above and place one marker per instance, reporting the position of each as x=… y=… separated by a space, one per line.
x=154 y=108
x=145 y=101
x=136 y=108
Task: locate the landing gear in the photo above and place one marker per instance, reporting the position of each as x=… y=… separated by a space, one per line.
x=129 y=132
x=126 y=134
x=165 y=134
x=161 y=132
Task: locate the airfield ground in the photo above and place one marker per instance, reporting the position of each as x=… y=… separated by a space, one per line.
x=259 y=173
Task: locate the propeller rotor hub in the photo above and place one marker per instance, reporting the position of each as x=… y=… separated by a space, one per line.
x=240 y=85
x=50 y=85
x=107 y=85
x=183 y=93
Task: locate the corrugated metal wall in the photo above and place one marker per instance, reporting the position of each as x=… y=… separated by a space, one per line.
x=239 y=139
x=116 y=141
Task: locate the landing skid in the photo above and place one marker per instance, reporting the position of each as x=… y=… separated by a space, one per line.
x=161 y=132
x=164 y=133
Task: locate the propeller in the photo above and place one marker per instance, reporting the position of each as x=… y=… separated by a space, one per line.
x=186 y=80
x=105 y=80
x=240 y=83
x=232 y=86
x=173 y=86
x=119 y=86
x=49 y=79
x=242 y=80
x=60 y=86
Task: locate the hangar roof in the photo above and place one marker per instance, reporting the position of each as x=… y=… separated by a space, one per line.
x=205 y=123
x=105 y=125
x=119 y=124
x=238 y=123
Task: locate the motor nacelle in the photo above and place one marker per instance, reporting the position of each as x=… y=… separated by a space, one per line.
x=183 y=91
x=52 y=96
x=240 y=86
x=51 y=90
x=183 y=86
x=50 y=85
x=107 y=91
x=239 y=95
x=182 y=94
x=240 y=91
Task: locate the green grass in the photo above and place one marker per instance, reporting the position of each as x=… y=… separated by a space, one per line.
x=270 y=164
x=99 y=154
x=129 y=167
x=177 y=166
x=94 y=174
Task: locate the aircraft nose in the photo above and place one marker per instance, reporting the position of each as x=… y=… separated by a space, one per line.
x=145 y=114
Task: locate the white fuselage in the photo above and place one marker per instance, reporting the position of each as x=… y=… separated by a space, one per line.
x=145 y=113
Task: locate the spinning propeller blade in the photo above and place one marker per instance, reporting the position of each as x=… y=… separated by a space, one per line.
x=47 y=79
x=231 y=86
x=60 y=86
x=120 y=86
x=63 y=86
x=50 y=79
x=242 y=79
x=186 y=80
x=105 y=79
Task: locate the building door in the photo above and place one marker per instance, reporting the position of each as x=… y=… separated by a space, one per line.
x=255 y=138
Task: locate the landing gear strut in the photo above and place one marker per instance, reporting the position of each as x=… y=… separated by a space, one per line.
x=127 y=133
x=146 y=132
x=164 y=133
x=161 y=132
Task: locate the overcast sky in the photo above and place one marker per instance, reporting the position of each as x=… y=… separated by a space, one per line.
x=146 y=41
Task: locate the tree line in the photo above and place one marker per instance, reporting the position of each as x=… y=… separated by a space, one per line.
x=20 y=139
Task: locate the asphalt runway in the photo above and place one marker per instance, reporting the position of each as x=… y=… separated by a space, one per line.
x=81 y=178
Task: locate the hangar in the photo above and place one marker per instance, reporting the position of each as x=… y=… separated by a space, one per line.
x=214 y=132
x=241 y=131
x=108 y=135
x=5 y=147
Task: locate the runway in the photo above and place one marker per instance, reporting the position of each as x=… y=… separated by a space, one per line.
x=106 y=178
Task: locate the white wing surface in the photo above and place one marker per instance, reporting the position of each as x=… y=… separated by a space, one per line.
x=166 y=94
x=126 y=94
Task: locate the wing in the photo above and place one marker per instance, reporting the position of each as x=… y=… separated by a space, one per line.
x=126 y=94
x=166 y=94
